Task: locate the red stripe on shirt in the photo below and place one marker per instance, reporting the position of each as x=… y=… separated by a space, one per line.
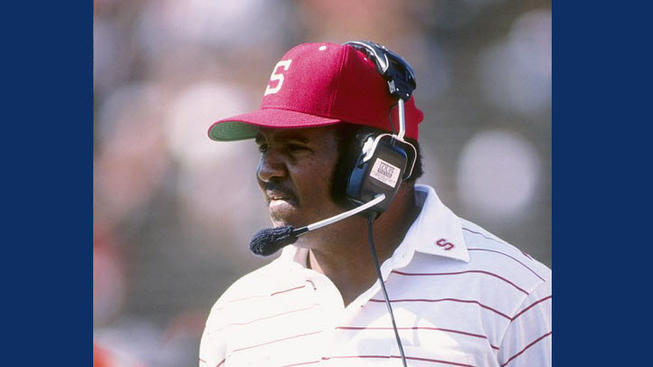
x=527 y=308
x=266 y=317
x=526 y=347
x=416 y=328
x=445 y=299
x=347 y=357
x=436 y=361
x=503 y=253
x=260 y=296
x=399 y=357
x=275 y=341
x=221 y=362
x=287 y=290
x=463 y=272
x=301 y=363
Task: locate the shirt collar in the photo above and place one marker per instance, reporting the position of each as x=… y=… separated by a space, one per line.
x=436 y=231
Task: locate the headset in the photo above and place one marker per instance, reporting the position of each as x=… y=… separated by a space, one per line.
x=383 y=161
x=377 y=163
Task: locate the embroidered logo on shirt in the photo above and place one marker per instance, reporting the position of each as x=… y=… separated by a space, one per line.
x=442 y=242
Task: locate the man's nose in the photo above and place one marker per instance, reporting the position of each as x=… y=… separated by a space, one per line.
x=270 y=166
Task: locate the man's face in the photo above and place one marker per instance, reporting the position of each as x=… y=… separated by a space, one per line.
x=295 y=173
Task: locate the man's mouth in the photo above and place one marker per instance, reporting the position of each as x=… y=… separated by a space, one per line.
x=283 y=204
x=273 y=197
x=275 y=194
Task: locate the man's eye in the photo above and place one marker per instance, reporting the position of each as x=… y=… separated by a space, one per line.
x=296 y=148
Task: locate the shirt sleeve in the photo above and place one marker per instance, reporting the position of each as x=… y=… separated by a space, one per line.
x=527 y=341
x=213 y=343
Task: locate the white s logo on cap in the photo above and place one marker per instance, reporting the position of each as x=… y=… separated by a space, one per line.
x=278 y=76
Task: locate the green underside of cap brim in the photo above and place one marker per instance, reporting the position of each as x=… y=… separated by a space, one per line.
x=232 y=130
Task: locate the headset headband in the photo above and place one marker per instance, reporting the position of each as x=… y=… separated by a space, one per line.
x=401 y=84
x=391 y=66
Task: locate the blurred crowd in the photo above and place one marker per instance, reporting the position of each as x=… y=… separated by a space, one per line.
x=173 y=211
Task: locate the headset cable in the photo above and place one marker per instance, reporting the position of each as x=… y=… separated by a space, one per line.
x=370 y=221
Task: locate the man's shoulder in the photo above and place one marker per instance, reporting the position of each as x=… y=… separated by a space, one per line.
x=254 y=291
x=484 y=258
x=487 y=250
x=259 y=282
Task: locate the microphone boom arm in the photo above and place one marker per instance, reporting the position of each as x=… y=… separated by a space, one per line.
x=268 y=241
x=325 y=222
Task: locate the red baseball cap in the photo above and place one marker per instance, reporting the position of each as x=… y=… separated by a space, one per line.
x=320 y=84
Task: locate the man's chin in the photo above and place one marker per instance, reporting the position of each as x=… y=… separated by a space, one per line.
x=279 y=222
x=282 y=213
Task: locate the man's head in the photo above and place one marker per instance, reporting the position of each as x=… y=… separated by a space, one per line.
x=320 y=99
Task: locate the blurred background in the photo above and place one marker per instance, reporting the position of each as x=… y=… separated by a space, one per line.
x=173 y=211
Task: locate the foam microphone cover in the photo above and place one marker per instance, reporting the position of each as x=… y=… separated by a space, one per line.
x=268 y=241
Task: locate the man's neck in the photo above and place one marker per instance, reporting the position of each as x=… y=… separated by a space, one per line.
x=346 y=259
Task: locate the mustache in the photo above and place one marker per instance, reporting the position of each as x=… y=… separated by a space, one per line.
x=276 y=190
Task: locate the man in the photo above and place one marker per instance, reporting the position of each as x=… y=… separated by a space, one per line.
x=460 y=296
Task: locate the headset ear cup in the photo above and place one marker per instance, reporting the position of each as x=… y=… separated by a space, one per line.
x=378 y=171
x=355 y=182
x=353 y=159
x=350 y=151
x=411 y=157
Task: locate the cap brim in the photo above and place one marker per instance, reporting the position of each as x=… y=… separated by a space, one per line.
x=246 y=126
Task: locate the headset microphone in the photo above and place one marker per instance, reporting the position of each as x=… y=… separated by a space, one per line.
x=268 y=241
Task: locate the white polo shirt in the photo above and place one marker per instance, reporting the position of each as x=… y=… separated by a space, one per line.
x=460 y=296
